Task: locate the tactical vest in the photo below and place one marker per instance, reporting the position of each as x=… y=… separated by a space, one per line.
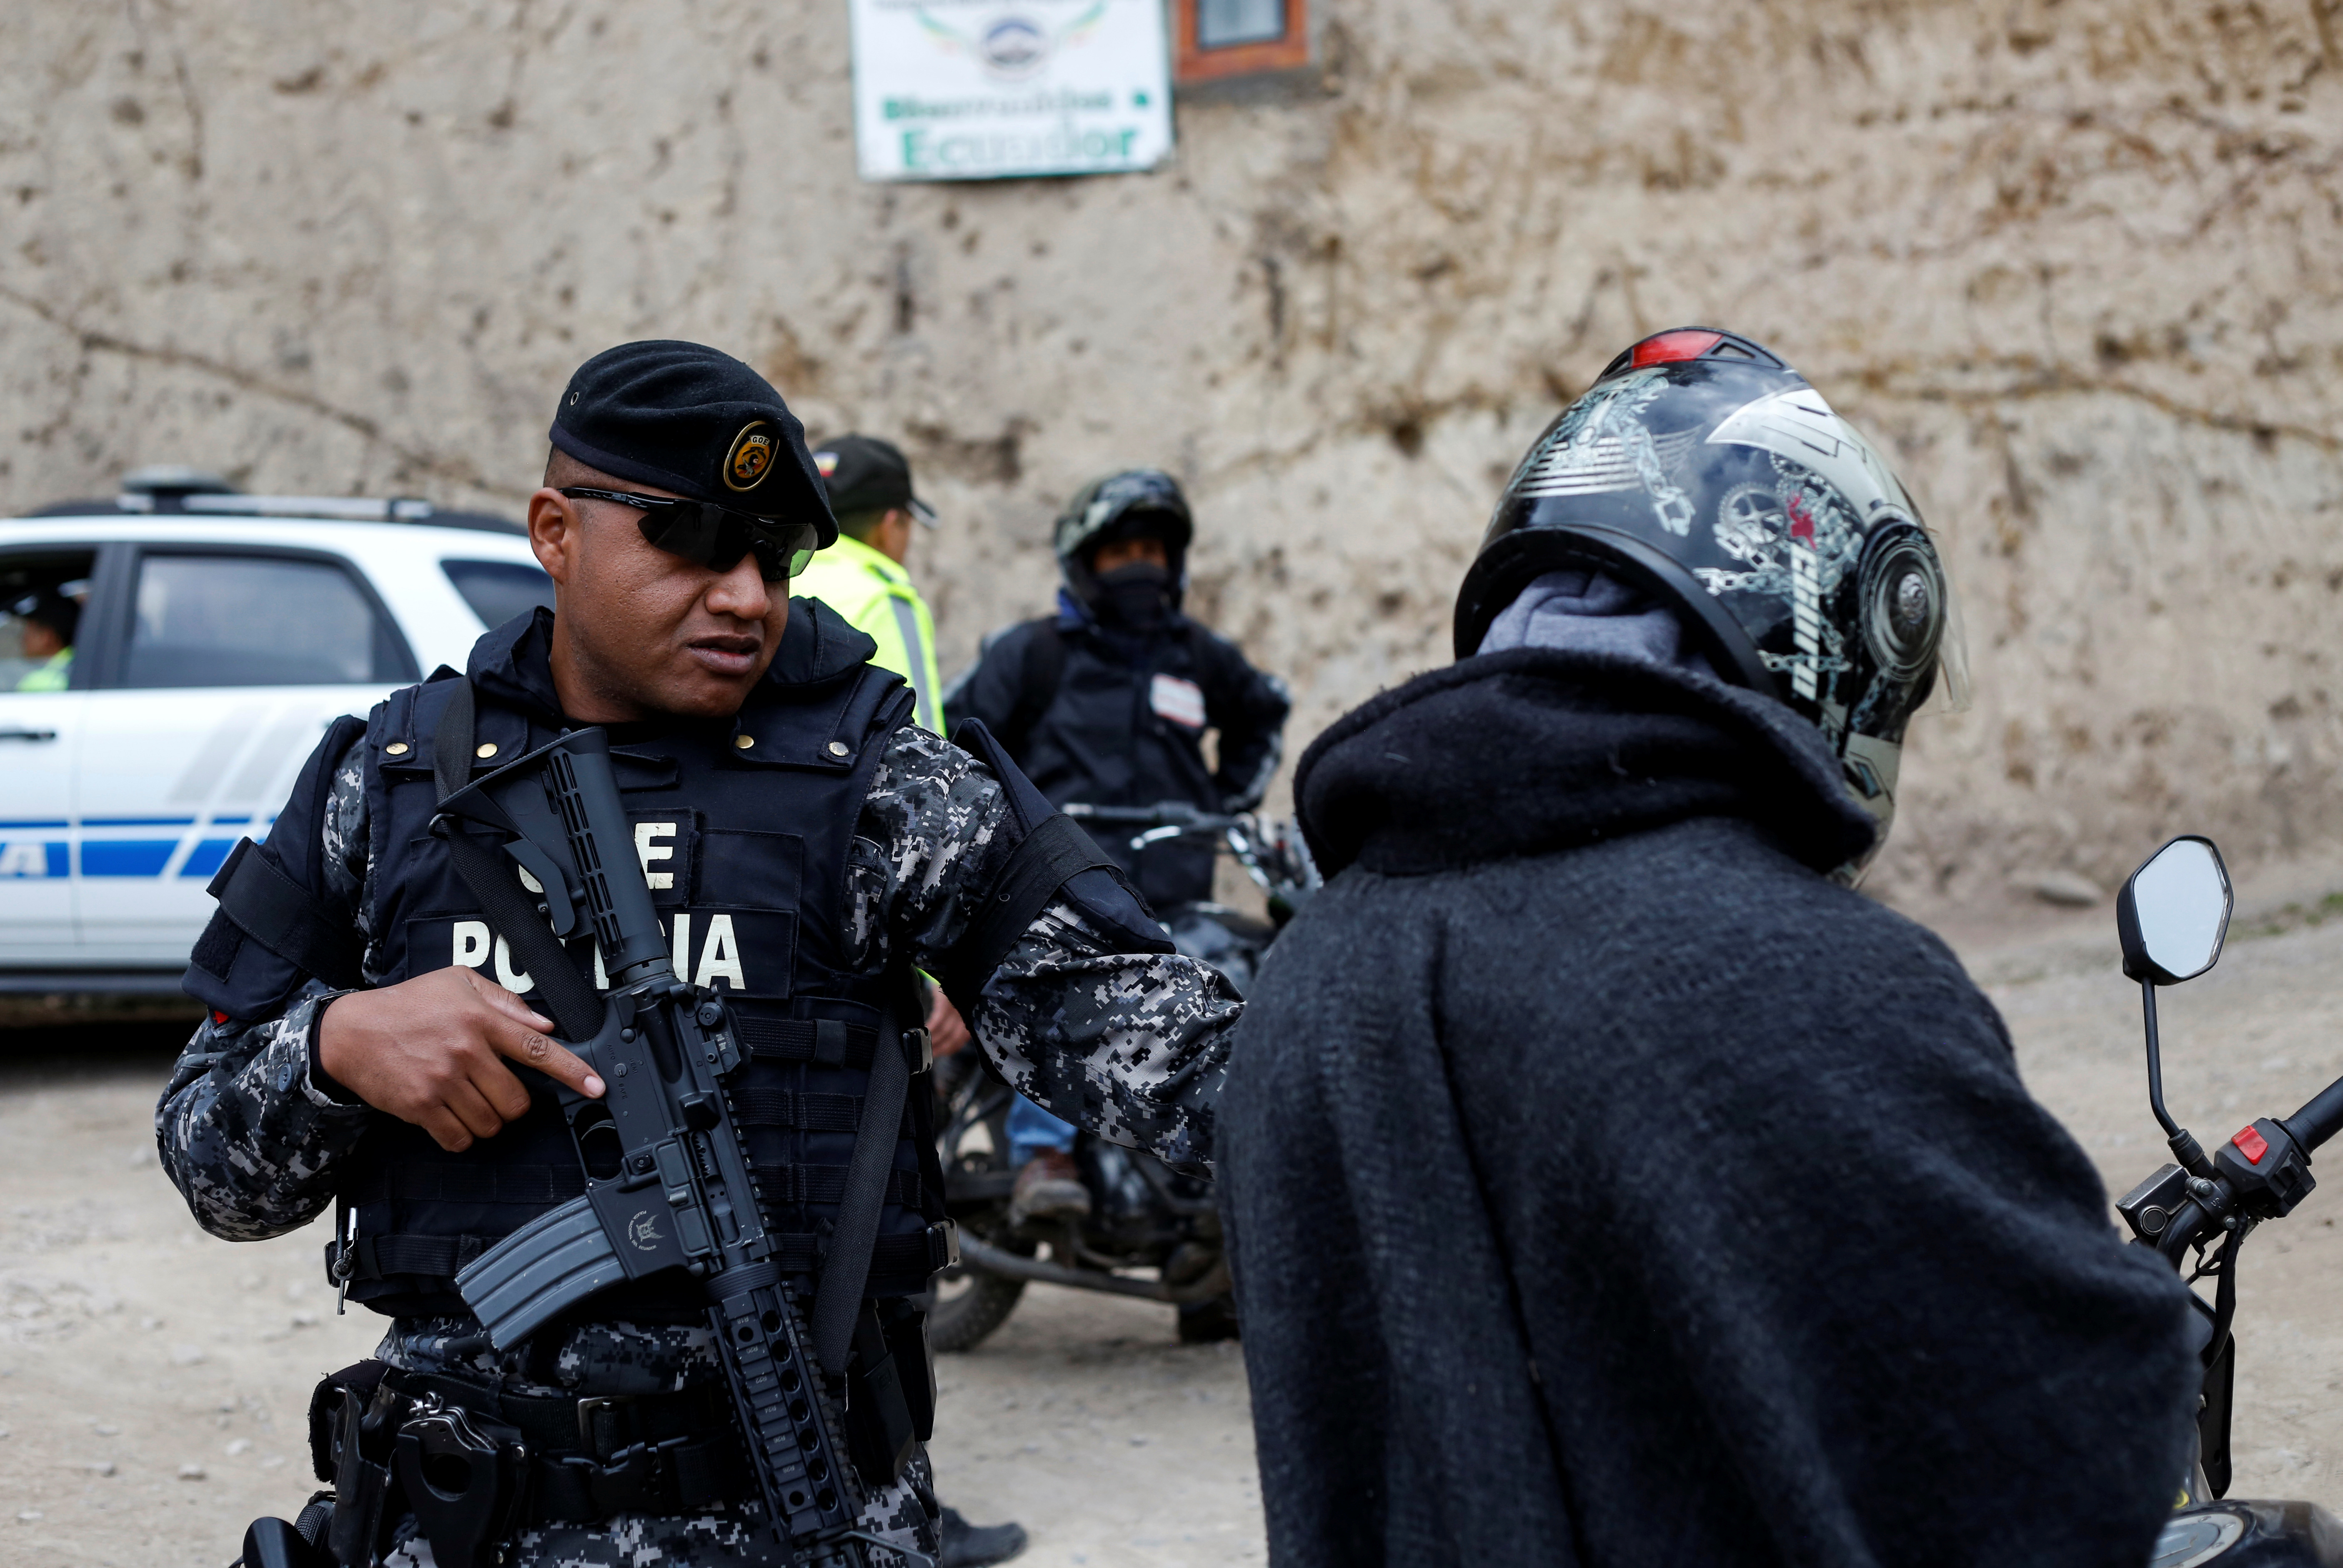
x=742 y=830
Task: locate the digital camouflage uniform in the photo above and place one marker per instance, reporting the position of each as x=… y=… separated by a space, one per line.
x=1134 y=1046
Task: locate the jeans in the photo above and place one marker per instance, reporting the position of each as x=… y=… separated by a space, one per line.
x=1031 y=1129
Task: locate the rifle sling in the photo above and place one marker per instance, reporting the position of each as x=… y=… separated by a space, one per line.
x=575 y=1006
x=845 y=1266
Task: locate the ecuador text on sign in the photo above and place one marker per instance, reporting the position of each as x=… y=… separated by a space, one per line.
x=980 y=89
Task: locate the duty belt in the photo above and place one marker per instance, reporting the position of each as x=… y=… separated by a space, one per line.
x=592 y=1456
x=661 y=1454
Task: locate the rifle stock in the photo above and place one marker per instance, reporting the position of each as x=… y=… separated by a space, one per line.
x=668 y=1182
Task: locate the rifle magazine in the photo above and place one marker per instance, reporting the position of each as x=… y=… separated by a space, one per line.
x=543 y=1269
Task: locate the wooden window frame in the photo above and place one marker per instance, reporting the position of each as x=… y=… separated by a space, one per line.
x=1192 y=65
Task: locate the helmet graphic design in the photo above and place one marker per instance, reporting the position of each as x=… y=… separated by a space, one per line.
x=1136 y=500
x=1703 y=470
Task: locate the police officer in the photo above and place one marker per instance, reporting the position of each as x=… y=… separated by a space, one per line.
x=370 y=1044
x=862 y=577
x=48 y=620
x=1107 y=702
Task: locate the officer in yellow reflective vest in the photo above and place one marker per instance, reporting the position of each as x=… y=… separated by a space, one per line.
x=861 y=577
x=47 y=622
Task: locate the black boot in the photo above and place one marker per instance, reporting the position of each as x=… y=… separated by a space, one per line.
x=967 y=1545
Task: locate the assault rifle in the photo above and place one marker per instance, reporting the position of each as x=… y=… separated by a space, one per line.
x=667 y=1181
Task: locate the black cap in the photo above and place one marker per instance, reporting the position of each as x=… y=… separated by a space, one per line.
x=866 y=474
x=57 y=608
x=688 y=418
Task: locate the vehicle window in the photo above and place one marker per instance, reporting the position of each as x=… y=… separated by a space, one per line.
x=256 y=620
x=499 y=590
x=42 y=598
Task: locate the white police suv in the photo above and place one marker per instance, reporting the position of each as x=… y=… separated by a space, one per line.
x=168 y=660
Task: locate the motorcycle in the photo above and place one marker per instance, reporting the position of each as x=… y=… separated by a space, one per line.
x=1146 y=1219
x=2196 y=1212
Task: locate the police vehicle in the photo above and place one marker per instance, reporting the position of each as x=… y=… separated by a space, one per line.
x=212 y=637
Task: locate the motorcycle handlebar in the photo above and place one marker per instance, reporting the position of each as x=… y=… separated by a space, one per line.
x=2181 y=1232
x=2318 y=1121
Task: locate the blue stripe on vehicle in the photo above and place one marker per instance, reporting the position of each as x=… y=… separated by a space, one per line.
x=138 y=821
x=14 y=827
x=206 y=857
x=125 y=856
x=18 y=857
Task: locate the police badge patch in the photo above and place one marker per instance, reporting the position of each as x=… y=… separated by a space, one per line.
x=752 y=457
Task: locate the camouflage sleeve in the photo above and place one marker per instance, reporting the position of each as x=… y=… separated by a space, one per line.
x=245 y=1134
x=1133 y=1046
x=246 y=1129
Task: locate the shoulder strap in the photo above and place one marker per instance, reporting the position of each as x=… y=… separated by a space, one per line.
x=451 y=743
x=846 y=1262
x=1042 y=670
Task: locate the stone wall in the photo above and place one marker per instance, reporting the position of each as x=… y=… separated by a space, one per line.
x=2074 y=264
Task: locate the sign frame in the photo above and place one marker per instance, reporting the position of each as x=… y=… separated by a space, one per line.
x=1010 y=89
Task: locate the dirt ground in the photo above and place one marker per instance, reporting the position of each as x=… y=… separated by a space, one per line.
x=153 y=1381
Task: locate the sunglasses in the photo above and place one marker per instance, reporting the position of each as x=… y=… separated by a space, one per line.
x=716 y=536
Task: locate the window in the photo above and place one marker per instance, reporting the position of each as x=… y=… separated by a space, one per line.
x=257 y=620
x=42 y=598
x=1224 y=23
x=1217 y=39
x=499 y=590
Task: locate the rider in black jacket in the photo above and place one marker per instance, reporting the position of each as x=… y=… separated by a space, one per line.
x=1607 y=1182
x=1107 y=702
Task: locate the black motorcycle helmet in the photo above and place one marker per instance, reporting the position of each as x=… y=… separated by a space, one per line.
x=1120 y=506
x=1704 y=470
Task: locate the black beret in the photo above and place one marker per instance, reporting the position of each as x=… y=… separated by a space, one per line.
x=688 y=418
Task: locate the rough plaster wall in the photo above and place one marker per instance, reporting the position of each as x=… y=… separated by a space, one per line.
x=2074 y=264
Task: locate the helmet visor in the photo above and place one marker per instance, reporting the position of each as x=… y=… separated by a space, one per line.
x=1951 y=692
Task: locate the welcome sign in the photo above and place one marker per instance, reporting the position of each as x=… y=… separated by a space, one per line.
x=991 y=89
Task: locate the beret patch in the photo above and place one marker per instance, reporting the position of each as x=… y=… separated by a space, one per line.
x=752 y=457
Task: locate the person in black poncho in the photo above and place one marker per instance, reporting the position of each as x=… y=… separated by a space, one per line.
x=1608 y=1183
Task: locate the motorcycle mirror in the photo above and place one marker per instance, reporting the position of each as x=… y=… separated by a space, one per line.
x=2173 y=913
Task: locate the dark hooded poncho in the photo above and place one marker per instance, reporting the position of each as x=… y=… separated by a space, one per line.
x=1607 y=1186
